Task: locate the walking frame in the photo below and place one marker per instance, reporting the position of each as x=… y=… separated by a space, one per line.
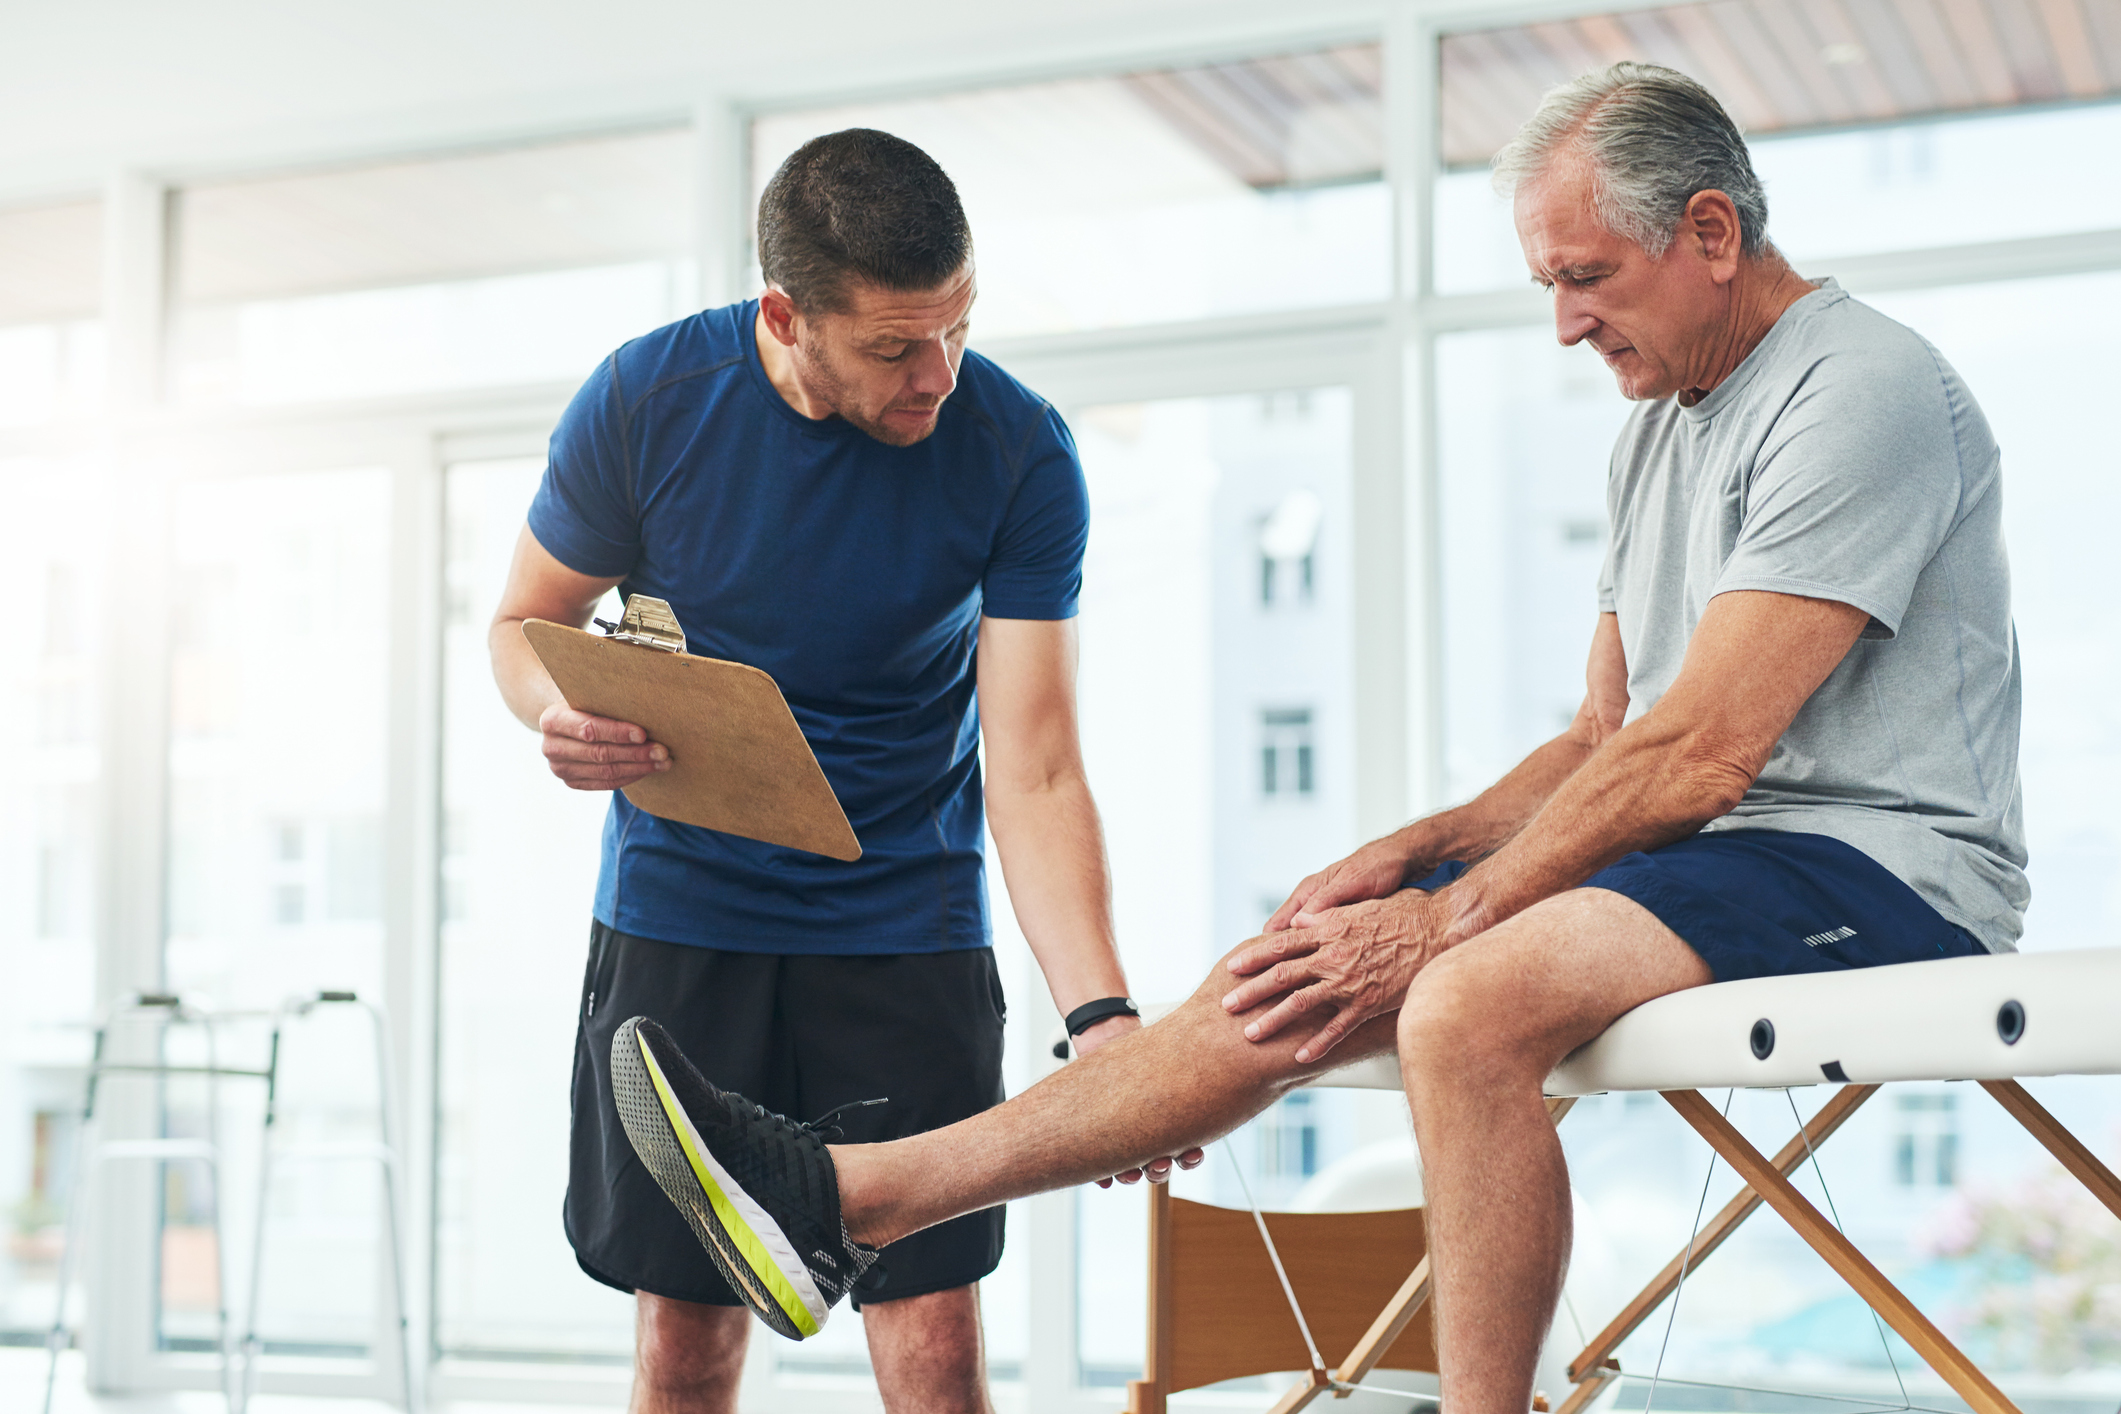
x=166 y=1010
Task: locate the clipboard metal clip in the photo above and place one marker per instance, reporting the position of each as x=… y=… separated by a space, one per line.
x=648 y=623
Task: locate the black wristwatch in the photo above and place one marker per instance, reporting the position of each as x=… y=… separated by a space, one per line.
x=1104 y=1009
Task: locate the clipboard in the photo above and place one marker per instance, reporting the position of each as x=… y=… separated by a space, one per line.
x=738 y=761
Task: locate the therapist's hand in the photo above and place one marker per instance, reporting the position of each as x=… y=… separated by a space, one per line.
x=1348 y=965
x=597 y=753
x=1156 y=1170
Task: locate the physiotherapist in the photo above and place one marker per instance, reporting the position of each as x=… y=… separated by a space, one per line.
x=826 y=485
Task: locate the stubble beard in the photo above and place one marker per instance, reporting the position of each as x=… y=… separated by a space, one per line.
x=829 y=385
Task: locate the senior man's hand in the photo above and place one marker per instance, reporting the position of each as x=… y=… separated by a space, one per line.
x=597 y=753
x=1156 y=1170
x=1355 y=962
x=1377 y=870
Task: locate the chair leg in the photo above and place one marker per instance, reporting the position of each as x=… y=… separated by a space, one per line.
x=1148 y=1395
x=1590 y=1387
x=1303 y=1392
x=2072 y=1155
x=1850 y=1265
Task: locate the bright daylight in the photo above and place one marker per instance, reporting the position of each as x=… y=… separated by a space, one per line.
x=1123 y=707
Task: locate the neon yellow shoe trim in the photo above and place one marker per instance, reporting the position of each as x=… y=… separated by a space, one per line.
x=748 y=1244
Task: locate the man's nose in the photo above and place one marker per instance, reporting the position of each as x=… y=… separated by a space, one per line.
x=1572 y=324
x=932 y=375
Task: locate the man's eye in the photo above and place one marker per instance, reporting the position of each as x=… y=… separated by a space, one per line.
x=898 y=357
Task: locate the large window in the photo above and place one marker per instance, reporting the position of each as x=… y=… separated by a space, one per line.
x=51 y=341
x=1181 y=493
x=48 y=810
x=518 y=871
x=523 y=265
x=278 y=708
x=1149 y=197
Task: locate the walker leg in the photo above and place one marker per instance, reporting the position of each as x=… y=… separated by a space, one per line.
x=76 y=1192
x=252 y=1347
x=386 y=1122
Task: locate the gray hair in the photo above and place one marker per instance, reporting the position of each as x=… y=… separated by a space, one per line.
x=1654 y=139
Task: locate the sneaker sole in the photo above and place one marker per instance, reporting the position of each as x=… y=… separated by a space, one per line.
x=748 y=1247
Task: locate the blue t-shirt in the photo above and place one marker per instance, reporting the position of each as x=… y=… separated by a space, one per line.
x=855 y=573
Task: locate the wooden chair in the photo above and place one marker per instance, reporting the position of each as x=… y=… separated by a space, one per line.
x=1216 y=1309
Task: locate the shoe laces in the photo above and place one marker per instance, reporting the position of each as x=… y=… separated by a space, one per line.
x=823 y=1122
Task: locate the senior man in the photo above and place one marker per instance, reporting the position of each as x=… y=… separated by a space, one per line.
x=825 y=484
x=1797 y=751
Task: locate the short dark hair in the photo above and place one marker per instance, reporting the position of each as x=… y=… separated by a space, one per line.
x=860 y=203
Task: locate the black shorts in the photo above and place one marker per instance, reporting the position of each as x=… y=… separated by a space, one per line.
x=799 y=1034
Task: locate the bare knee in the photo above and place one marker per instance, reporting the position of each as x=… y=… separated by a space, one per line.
x=1461 y=1022
x=687 y=1355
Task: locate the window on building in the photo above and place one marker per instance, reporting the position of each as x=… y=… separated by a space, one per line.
x=1926 y=1140
x=1287 y=1137
x=1285 y=755
x=1288 y=538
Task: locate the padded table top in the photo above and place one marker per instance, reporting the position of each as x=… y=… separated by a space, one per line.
x=1953 y=1019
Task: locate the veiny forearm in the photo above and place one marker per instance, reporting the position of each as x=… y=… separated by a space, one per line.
x=1052 y=851
x=1658 y=780
x=1486 y=823
x=1754 y=660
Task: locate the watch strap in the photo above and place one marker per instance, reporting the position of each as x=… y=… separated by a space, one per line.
x=1103 y=1009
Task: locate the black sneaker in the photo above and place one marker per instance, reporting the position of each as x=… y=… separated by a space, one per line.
x=759 y=1190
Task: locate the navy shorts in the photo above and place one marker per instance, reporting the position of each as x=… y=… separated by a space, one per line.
x=1767 y=903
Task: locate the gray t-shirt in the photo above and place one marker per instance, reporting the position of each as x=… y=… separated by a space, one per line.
x=1845 y=460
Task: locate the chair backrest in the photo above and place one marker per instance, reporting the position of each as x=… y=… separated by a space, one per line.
x=1218 y=1309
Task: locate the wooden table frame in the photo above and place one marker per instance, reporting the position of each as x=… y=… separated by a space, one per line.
x=1766 y=1182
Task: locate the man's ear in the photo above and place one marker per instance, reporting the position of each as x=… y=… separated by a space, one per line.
x=1712 y=224
x=780 y=314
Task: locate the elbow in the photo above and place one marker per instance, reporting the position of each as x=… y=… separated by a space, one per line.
x=1709 y=780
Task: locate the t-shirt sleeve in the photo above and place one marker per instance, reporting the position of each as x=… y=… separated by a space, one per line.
x=1855 y=488
x=586 y=513
x=1036 y=571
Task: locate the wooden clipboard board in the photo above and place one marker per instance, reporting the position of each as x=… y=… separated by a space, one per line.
x=738 y=761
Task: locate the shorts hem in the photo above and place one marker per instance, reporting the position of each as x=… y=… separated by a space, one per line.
x=928 y=1288
x=1676 y=910
x=636 y=1289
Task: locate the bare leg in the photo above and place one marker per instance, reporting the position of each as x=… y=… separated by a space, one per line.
x=687 y=1356
x=1190 y=1078
x=929 y=1354
x=1481 y=1028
